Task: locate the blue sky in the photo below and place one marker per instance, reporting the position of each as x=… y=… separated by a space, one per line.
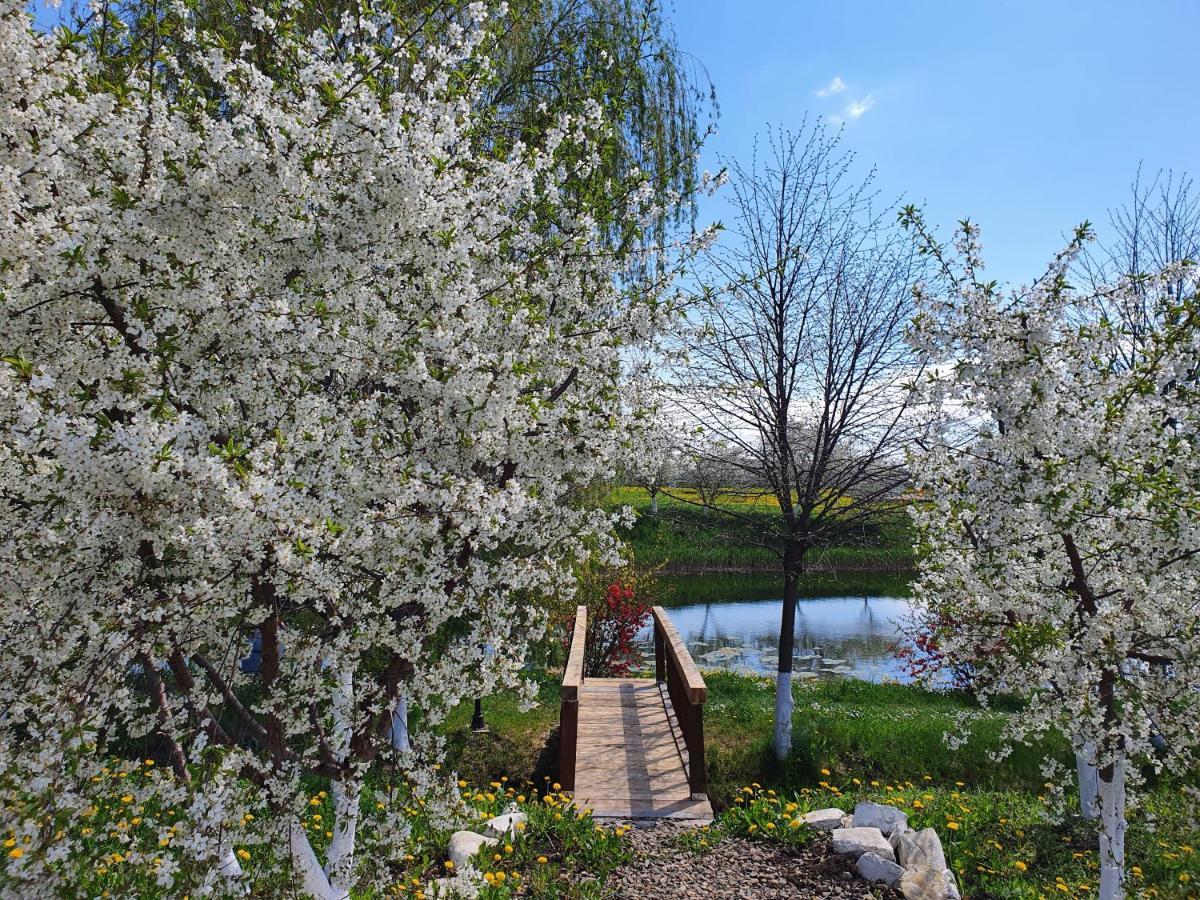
x=1028 y=117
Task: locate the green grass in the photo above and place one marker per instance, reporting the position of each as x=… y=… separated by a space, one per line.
x=884 y=742
x=879 y=731
x=684 y=537
x=519 y=745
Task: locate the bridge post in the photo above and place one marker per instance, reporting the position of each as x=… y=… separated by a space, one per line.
x=697 y=770
x=568 y=743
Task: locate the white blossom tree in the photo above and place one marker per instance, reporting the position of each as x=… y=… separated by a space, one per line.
x=303 y=365
x=1062 y=513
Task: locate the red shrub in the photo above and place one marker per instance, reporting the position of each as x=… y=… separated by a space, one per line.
x=924 y=659
x=613 y=622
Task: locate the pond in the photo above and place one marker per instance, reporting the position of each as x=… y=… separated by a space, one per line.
x=844 y=627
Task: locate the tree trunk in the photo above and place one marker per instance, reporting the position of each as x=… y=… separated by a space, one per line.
x=399 y=732
x=1089 y=780
x=229 y=865
x=1112 y=829
x=346 y=790
x=313 y=881
x=339 y=865
x=783 y=682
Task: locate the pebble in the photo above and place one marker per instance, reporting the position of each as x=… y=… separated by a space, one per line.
x=735 y=869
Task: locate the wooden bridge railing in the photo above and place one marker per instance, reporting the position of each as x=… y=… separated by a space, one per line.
x=673 y=664
x=568 y=716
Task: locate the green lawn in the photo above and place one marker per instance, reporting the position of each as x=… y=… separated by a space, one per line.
x=857 y=741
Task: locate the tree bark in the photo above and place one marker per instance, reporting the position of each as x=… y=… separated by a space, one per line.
x=1089 y=783
x=339 y=866
x=1112 y=829
x=399 y=730
x=783 y=681
x=313 y=880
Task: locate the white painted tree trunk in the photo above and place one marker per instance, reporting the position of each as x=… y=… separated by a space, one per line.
x=332 y=882
x=313 y=880
x=1112 y=831
x=228 y=865
x=230 y=868
x=783 y=714
x=400 y=724
x=1089 y=780
x=343 y=713
x=339 y=864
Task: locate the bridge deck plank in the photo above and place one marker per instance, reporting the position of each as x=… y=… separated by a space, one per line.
x=629 y=762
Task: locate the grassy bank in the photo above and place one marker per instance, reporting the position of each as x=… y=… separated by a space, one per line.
x=684 y=537
x=858 y=741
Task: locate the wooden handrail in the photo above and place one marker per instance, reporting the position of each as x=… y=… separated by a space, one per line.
x=573 y=674
x=568 y=714
x=697 y=691
x=673 y=666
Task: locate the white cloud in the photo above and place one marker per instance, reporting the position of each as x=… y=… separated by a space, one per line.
x=858 y=108
x=834 y=87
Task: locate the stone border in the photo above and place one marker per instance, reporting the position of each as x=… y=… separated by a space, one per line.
x=886 y=850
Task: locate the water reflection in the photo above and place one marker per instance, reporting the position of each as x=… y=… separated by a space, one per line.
x=835 y=636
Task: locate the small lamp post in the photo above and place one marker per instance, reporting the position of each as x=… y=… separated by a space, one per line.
x=477 y=724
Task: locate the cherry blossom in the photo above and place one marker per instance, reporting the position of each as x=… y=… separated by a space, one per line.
x=1060 y=510
x=305 y=368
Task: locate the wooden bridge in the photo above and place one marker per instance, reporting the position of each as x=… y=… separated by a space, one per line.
x=631 y=747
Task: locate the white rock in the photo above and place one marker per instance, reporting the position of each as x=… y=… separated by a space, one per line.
x=894 y=840
x=874 y=867
x=875 y=815
x=506 y=824
x=824 y=819
x=921 y=848
x=464 y=845
x=857 y=841
x=928 y=883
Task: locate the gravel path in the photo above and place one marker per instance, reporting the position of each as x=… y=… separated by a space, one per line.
x=736 y=869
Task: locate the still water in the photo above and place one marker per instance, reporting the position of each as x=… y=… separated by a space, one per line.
x=847 y=630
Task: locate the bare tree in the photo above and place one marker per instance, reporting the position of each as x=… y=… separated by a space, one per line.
x=796 y=368
x=1158 y=226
